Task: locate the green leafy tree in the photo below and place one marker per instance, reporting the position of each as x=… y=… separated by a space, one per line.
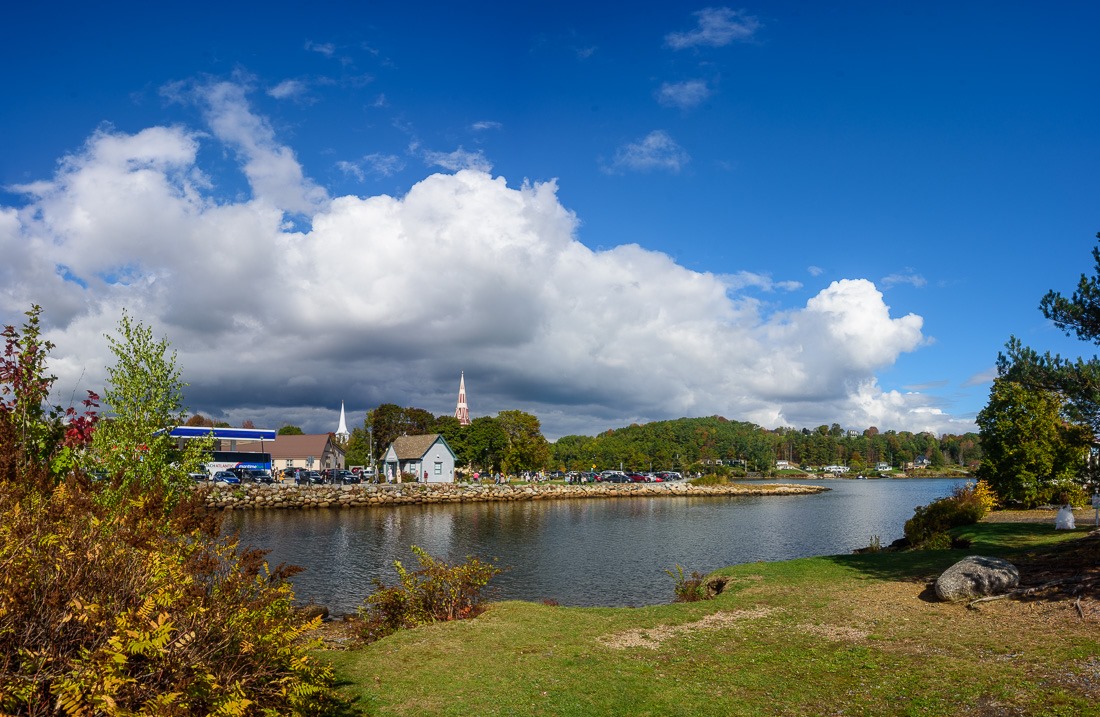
x=144 y=395
x=358 y=449
x=1029 y=452
x=525 y=447
x=289 y=431
x=390 y=421
x=456 y=436
x=486 y=443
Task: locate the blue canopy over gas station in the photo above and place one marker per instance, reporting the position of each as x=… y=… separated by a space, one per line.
x=226 y=434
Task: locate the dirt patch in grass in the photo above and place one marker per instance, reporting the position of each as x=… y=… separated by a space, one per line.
x=653 y=637
x=1083 y=516
x=1069 y=571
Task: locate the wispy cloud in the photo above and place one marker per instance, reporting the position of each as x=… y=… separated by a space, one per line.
x=907 y=277
x=982 y=378
x=382 y=165
x=322 y=48
x=927 y=386
x=748 y=279
x=684 y=95
x=815 y=270
x=657 y=150
x=485 y=125
x=456 y=160
x=288 y=89
x=716 y=27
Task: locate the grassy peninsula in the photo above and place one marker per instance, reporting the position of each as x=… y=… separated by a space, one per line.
x=840 y=635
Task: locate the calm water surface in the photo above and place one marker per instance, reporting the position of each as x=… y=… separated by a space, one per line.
x=580 y=552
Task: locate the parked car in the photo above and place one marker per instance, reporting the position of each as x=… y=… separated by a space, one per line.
x=637 y=478
x=264 y=477
x=612 y=477
x=292 y=473
x=310 y=478
x=226 y=477
x=345 y=477
x=244 y=474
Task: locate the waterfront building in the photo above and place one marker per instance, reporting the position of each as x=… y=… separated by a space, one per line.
x=315 y=452
x=428 y=457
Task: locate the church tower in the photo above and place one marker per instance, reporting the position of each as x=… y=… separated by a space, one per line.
x=462 y=412
x=342 y=431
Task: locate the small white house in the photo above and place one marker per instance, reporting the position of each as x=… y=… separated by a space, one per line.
x=428 y=457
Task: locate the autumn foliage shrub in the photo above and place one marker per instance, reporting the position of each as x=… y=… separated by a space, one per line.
x=966 y=505
x=121 y=613
x=437 y=592
x=133 y=606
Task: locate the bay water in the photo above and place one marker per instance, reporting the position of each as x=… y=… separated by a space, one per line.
x=580 y=552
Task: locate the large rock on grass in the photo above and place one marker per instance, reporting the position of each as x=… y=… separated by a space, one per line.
x=977 y=576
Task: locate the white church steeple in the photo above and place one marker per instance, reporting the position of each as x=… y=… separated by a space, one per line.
x=342 y=431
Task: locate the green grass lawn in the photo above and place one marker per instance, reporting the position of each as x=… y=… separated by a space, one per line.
x=841 y=635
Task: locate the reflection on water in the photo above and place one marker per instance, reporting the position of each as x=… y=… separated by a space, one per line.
x=580 y=552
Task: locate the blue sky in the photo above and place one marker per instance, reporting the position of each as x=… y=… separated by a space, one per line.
x=785 y=213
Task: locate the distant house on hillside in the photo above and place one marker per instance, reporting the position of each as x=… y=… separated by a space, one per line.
x=313 y=451
x=428 y=457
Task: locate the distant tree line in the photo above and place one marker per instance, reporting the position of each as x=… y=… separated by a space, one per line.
x=697 y=443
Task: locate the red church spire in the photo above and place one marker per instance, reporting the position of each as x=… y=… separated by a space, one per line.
x=462 y=412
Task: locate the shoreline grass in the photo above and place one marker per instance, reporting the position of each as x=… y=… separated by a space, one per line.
x=844 y=634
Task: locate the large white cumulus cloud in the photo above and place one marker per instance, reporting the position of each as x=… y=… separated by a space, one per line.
x=387 y=298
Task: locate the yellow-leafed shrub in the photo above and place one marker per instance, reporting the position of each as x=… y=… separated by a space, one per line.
x=126 y=613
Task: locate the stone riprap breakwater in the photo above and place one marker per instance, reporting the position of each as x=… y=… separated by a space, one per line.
x=244 y=497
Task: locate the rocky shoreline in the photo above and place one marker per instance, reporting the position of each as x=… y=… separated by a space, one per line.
x=293 y=497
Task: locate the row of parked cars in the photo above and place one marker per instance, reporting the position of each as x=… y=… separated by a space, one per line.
x=330 y=476
x=622 y=477
x=235 y=476
x=300 y=476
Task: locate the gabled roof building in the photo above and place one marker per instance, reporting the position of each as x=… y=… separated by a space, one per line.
x=315 y=451
x=426 y=458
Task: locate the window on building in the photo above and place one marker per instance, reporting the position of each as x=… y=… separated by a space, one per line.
x=439 y=468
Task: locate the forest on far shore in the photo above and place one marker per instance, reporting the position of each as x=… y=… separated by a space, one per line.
x=697 y=443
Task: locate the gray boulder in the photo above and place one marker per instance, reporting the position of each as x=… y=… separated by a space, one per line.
x=977 y=576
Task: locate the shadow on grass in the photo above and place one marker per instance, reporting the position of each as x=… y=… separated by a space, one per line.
x=345 y=706
x=1013 y=541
